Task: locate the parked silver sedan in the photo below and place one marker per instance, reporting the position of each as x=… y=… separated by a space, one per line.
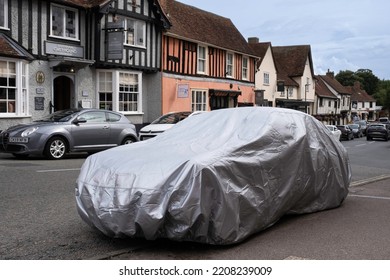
x=72 y=130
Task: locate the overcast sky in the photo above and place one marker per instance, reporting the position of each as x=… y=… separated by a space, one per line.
x=343 y=34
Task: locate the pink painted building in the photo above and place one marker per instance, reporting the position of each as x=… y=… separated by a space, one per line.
x=207 y=64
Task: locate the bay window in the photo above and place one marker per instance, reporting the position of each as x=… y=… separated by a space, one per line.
x=13 y=88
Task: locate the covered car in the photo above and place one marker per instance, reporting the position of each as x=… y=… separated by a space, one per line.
x=215 y=178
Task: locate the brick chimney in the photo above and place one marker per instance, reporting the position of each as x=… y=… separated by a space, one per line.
x=253 y=40
x=330 y=74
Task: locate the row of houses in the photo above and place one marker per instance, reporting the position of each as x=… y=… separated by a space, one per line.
x=145 y=58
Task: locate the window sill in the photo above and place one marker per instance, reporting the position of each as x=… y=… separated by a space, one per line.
x=13 y=116
x=65 y=38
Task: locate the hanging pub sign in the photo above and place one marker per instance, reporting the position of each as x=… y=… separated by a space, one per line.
x=114 y=40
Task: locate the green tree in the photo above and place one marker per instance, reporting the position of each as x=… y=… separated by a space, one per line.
x=368 y=81
x=347 y=78
x=383 y=95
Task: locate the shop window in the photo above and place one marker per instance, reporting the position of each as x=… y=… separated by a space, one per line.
x=128 y=92
x=120 y=91
x=199 y=100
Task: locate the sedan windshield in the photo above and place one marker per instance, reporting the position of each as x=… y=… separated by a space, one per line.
x=171 y=118
x=59 y=116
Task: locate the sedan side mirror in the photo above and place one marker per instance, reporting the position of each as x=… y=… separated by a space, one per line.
x=79 y=120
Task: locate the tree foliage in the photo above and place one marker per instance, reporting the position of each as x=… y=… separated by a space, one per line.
x=368 y=81
x=383 y=95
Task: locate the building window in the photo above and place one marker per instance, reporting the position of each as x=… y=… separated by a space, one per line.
x=128 y=92
x=266 y=78
x=64 y=22
x=202 y=59
x=229 y=65
x=245 y=69
x=321 y=102
x=13 y=88
x=3 y=13
x=290 y=91
x=105 y=90
x=134 y=5
x=199 y=100
x=134 y=33
x=120 y=91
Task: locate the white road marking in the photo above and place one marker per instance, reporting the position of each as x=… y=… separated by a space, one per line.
x=370 y=196
x=58 y=170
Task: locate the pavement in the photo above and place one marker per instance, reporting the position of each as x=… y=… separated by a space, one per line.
x=357 y=230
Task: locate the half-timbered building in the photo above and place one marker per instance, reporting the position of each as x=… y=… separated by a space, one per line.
x=206 y=62
x=76 y=53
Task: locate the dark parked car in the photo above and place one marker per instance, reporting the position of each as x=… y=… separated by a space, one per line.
x=72 y=130
x=215 y=178
x=378 y=130
x=363 y=125
x=346 y=132
x=356 y=130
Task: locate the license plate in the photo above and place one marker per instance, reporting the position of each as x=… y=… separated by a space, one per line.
x=18 y=140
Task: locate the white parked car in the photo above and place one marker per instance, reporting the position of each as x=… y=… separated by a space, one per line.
x=334 y=131
x=163 y=123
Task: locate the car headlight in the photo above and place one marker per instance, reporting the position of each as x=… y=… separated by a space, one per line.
x=29 y=131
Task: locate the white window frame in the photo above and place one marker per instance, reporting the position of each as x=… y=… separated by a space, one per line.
x=230 y=65
x=113 y=86
x=199 y=104
x=4 y=8
x=76 y=24
x=266 y=78
x=139 y=33
x=245 y=68
x=20 y=103
x=202 y=60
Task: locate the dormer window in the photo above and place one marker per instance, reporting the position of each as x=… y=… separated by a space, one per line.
x=64 y=22
x=3 y=14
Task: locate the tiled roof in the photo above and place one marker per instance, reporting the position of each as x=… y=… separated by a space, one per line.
x=359 y=94
x=322 y=89
x=10 y=48
x=260 y=50
x=330 y=80
x=85 y=3
x=197 y=25
x=291 y=60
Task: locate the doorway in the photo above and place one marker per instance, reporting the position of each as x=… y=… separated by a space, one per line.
x=63 y=93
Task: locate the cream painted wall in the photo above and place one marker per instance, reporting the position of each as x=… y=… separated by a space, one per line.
x=267 y=66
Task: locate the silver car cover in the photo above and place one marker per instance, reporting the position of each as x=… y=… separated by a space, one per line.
x=216 y=177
